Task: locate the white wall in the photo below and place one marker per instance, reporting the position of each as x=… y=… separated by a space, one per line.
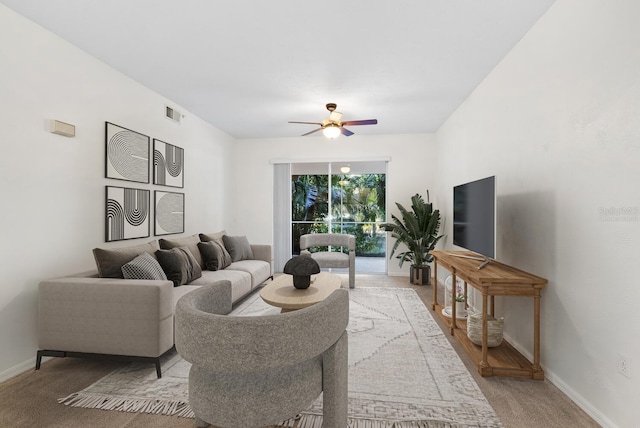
x=411 y=170
x=558 y=123
x=53 y=187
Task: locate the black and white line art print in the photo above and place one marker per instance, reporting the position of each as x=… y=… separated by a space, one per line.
x=169 y=213
x=168 y=164
x=127 y=213
x=127 y=154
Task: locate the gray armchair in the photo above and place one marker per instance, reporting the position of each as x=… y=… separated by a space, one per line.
x=333 y=259
x=261 y=370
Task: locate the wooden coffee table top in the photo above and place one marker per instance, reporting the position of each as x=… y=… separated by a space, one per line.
x=281 y=293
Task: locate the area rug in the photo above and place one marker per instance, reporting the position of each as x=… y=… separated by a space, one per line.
x=402 y=372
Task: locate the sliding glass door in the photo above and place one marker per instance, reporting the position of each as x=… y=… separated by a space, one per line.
x=342 y=198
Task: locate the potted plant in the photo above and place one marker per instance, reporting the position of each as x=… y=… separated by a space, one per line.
x=418 y=231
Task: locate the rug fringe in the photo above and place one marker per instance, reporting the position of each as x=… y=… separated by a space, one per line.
x=315 y=421
x=103 y=402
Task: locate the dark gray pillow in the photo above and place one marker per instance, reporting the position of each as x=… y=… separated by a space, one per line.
x=145 y=266
x=238 y=247
x=214 y=255
x=179 y=265
x=190 y=242
x=110 y=260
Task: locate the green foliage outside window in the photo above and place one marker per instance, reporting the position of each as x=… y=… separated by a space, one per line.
x=357 y=207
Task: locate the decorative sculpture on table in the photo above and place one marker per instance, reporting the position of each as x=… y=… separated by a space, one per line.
x=301 y=267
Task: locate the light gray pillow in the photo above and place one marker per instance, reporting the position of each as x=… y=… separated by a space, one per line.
x=179 y=265
x=238 y=247
x=145 y=266
x=214 y=255
x=110 y=260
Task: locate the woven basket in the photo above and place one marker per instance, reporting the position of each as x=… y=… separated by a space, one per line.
x=494 y=329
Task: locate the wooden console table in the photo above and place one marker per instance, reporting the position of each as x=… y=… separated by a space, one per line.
x=495 y=279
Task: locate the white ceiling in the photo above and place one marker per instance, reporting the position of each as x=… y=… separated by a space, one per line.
x=249 y=67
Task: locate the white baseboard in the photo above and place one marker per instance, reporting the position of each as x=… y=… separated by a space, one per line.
x=557 y=381
x=579 y=400
x=397 y=274
x=30 y=364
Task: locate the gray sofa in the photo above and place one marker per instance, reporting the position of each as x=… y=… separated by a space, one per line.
x=101 y=313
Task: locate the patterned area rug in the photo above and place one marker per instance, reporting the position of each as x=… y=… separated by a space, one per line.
x=402 y=372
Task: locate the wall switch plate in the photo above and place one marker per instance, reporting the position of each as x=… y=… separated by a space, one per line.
x=624 y=365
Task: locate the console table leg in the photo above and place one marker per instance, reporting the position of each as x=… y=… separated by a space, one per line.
x=493 y=306
x=536 y=332
x=485 y=347
x=435 y=286
x=454 y=282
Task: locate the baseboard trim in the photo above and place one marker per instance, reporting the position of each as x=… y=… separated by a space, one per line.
x=18 y=369
x=557 y=381
x=580 y=401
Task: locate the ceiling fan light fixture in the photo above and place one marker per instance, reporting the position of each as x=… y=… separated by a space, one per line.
x=331 y=131
x=345 y=169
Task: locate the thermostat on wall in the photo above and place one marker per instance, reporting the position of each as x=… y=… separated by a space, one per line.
x=62 y=128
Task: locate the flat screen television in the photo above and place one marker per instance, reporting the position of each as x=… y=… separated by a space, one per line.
x=474 y=216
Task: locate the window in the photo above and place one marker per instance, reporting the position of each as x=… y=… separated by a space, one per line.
x=342 y=198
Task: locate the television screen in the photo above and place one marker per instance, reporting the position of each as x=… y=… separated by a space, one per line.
x=474 y=216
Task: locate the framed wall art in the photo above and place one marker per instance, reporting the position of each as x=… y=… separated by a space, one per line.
x=169 y=213
x=168 y=164
x=127 y=154
x=127 y=213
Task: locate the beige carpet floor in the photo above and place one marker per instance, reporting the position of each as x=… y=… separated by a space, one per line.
x=30 y=399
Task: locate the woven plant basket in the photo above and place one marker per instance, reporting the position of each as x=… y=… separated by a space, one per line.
x=494 y=329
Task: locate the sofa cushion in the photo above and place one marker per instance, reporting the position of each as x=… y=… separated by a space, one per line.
x=188 y=241
x=259 y=270
x=214 y=255
x=240 y=281
x=110 y=260
x=145 y=266
x=179 y=265
x=238 y=247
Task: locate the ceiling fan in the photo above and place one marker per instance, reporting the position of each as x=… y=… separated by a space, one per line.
x=333 y=126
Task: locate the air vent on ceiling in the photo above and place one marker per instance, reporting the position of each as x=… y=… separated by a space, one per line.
x=172 y=114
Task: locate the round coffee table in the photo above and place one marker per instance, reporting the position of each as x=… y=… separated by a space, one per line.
x=281 y=293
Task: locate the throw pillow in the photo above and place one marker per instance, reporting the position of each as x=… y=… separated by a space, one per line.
x=238 y=247
x=179 y=265
x=145 y=266
x=190 y=242
x=110 y=260
x=205 y=237
x=214 y=255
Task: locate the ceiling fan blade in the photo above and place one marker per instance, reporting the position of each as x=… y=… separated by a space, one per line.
x=345 y=132
x=335 y=116
x=309 y=123
x=311 y=132
x=361 y=122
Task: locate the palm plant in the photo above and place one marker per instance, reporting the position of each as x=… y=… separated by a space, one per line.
x=418 y=231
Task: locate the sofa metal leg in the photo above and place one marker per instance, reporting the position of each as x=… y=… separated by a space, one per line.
x=158 y=368
x=38 y=359
x=50 y=353
x=47 y=353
